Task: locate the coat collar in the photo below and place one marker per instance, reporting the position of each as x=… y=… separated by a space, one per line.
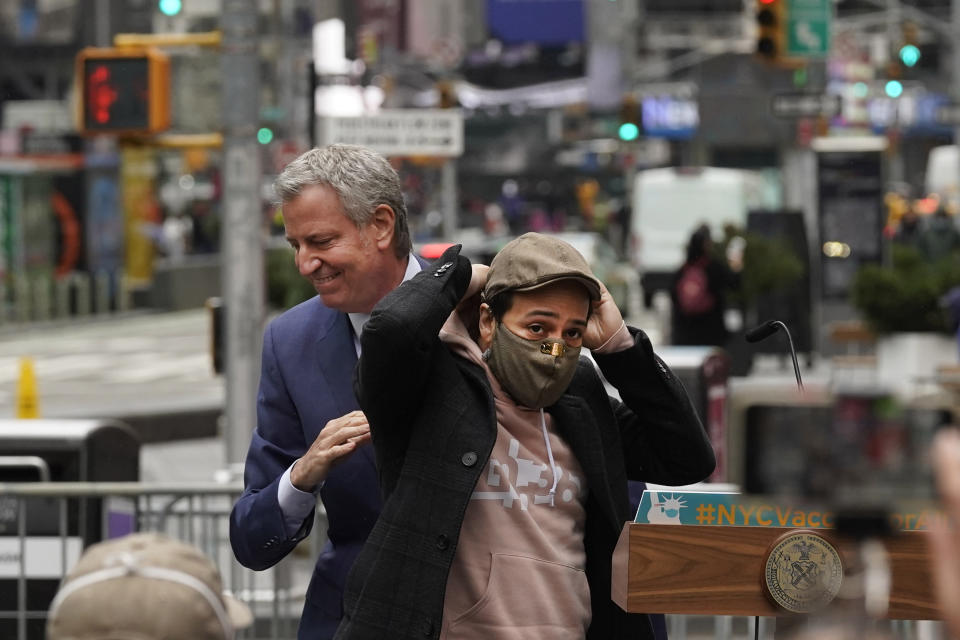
x=576 y=424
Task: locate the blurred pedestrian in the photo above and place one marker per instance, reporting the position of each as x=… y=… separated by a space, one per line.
x=144 y=585
x=699 y=291
x=909 y=231
x=345 y=217
x=940 y=238
x=503 y=462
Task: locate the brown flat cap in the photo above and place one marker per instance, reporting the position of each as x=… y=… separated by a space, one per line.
x=534 y=260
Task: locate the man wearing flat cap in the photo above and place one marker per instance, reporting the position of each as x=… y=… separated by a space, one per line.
x=502 y=462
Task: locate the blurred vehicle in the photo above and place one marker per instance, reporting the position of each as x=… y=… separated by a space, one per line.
x=669 y=203
x=943 y=173
x=477 y=245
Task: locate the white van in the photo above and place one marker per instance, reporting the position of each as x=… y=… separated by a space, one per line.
x=943 y=174
x=669 y=203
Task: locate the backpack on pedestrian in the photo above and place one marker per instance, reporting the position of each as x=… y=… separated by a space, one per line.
x=693 y=289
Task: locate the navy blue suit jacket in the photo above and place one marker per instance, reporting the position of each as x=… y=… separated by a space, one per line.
x=306 y=380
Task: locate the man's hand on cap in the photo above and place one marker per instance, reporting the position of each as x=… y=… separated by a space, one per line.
x=604 y=322
x=478 y=280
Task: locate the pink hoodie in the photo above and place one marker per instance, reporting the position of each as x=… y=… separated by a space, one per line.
x=518 y=572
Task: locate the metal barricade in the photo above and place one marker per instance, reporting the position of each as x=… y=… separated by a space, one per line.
x=199 y=514
x=32 y=566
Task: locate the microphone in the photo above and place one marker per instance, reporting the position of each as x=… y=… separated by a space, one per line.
x=766 y=330
x=762 y=332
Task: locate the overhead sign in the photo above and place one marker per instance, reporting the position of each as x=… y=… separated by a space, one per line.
x=399 y=132
x=550 y=22
x=670 y=117
x=808 y=28
x=805 y=105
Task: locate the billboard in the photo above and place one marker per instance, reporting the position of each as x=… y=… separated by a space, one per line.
x=546 y=22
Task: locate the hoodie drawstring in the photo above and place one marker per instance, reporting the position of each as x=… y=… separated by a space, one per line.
x=553 y=466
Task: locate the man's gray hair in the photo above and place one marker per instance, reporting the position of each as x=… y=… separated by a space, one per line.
x=363 y=179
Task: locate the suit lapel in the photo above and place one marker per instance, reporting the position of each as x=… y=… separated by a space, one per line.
x=336 y=360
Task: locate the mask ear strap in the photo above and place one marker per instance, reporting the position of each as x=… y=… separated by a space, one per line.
x=485 y=356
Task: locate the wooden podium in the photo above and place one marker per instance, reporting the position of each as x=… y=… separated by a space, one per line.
x=719 y=570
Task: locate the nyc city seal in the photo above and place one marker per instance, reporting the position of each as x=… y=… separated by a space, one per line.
x=803 y=572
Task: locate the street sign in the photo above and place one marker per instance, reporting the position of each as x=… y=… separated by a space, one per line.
x=399 y=132
x=805 y=105
x=808 y=28
x=948 y=115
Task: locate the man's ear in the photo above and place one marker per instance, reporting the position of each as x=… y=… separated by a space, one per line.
x=488 y=325
x=382 y=224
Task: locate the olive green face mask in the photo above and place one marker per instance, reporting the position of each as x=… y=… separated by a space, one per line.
x=534 y=372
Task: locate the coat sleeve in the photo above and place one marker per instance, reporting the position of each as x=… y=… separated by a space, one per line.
x=663 y=440
x=400 y=344
x=258 y=533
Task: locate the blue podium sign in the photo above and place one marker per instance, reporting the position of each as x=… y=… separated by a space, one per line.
x=734 y=509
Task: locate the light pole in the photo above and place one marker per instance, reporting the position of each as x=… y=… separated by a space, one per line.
x=241 y=250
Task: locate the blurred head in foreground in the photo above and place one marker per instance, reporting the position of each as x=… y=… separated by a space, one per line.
x=144 y=586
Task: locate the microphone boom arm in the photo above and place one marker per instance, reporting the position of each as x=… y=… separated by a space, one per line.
x=766 y=330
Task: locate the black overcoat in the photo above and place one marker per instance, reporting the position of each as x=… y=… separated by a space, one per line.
x=433 y=422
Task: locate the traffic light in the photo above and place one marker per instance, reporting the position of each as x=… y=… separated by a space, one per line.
x=170 y=7
x=771 y=29
x=628 y=125
x=123 y=90
x=909 y=55
x=893 y=88
x=265 y=135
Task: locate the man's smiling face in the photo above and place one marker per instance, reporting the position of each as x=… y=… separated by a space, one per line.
x=346 y=264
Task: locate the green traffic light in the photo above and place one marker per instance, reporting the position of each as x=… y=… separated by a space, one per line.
x=894 y=88
x=264 y=135
x=628 y=131
x=170 y=7
x=909 y=55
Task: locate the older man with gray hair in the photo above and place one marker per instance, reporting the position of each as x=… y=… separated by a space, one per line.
x=345 y=218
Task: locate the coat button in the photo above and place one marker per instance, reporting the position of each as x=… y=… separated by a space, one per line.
x=469 y=458
x=427 y=628
x=442 y=542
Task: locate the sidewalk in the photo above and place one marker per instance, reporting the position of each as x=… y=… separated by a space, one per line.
x=152 y=370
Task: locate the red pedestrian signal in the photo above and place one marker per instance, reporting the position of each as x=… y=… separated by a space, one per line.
x=123 y=90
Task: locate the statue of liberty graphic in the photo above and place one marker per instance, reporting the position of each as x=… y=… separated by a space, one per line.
x=665 y=508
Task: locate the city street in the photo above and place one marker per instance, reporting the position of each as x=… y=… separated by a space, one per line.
x=138 y=367
x=154 y=372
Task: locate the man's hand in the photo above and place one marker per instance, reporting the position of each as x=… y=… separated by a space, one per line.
x=944 y=535
x=604 y=322
x=469 y=306
x=478 y=280
x=337 y=440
